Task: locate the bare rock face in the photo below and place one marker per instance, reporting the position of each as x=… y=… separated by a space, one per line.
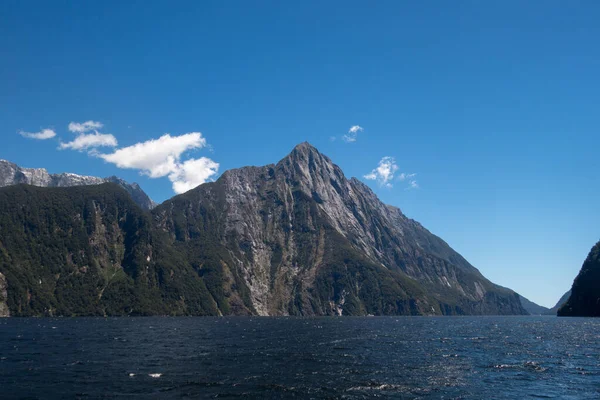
x=300 y=238
x=4 y=312
x=12 y=174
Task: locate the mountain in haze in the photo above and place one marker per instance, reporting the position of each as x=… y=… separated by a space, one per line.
x=559 y=303
x=533 y=308
x=584 y=300
x=12 y=174
x=292 y=238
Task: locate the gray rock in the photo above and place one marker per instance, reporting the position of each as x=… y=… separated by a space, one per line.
x=4 y=312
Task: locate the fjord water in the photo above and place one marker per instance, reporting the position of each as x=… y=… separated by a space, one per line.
x=389 y=357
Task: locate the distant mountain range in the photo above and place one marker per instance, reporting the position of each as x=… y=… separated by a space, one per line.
x=584 y=300
x=535 y=309
x=292 y=238
x=12 y=174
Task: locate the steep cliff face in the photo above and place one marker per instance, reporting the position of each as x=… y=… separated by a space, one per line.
x=300 y=238
x=585 y=293
x=12 y=174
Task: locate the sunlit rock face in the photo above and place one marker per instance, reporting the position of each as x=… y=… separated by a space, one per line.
x=4 y=311
x=298 y=237
x=12 y=174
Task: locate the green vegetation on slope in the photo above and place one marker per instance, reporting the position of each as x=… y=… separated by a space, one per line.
x=91 y=251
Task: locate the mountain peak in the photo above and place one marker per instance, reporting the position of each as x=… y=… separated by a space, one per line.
x=305 y=146
x=306 y=163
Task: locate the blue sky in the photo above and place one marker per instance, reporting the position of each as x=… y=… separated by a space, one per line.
x=493 y=105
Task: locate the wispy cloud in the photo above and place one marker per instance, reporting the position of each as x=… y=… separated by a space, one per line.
x=352 y=134
x=384 y=173
x=44 y=134
x=412 y=184
x=83 y=127
x=409 y=179
x=90 y=141
x=404 y=176
x=161 y=157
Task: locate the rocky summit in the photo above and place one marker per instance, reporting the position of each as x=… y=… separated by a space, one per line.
x=292 y=238
x=12 y=174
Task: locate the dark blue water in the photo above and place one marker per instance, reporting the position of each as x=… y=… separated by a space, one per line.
x=419 y=357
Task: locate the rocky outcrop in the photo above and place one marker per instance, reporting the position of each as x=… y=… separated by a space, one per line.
x=12 y=174
x=585 y=293
x=4 y=311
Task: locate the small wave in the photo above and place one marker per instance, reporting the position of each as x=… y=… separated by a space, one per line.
x=530 y=365
x=378 y=386
x=534 y=366
x=505 y=366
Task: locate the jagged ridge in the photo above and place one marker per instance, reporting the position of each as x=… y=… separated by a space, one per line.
x=12 y=174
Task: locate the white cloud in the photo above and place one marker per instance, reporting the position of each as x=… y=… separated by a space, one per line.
x=192 y=173
x=82 y=127
x=404 y=176
x=412 y=185
x=89 y=141
x=410 y=179
x=157 y=157
x=384 y=173
x=352 y=134
x=41 y=135
x=162 y=157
